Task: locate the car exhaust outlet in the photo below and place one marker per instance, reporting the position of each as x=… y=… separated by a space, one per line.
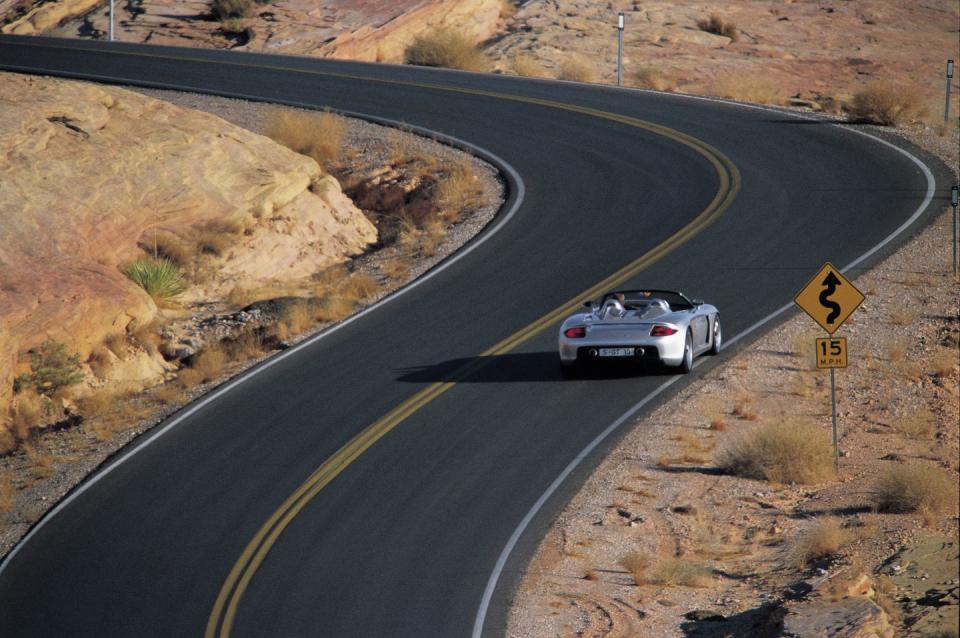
x=592 y=352
x=638 y=352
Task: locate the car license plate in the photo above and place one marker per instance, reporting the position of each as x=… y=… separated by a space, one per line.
x=616 y=352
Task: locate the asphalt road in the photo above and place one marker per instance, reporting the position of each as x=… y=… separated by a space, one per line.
x=402 y=542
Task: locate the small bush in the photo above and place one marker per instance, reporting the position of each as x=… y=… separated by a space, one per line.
x=396 y=269
x=918 y=425
x=226 y=9
x=648 y=77
x=790 y=452
x=717 y=25
x=30 y=411
x=458 y=191
x=317 y=135
x=446 y=48
x=359 y=287
x=52 y=368
x=745 y=88
x=161 y=278
x=577 y=69
x=8 y=494
x=333 y=309
x=679 y=571
x=527 y=66
x=884 y=103
x=637 y=564
x=913 y=487
x=821 y=540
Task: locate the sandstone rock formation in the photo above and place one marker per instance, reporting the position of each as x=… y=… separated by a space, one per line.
x=372 y=30
x=90 y=172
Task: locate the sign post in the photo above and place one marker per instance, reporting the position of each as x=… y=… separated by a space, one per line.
x=620 y=49
x=953 y=202
x=110 y=28
x=829 y=298
x=946 y=103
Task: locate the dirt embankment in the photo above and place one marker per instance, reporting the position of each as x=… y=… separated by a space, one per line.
x=95 y=176
x=373 y=30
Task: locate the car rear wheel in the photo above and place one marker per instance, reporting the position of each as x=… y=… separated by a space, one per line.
x=686 y=365
x=717 y=336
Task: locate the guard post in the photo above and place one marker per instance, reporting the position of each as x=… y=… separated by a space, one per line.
x=620 y=49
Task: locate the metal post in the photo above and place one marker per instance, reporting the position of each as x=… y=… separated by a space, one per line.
x=110 y=28
x=946 y=101
x=954 y=197
x=619 y=49
x=833 y=400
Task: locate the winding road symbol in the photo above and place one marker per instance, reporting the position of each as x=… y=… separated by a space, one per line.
x=830 y=284
x=829 y=298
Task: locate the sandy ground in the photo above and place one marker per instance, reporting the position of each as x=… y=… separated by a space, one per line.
x=659 y=492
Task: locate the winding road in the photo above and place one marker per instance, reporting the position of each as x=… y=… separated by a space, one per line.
x=368 y=482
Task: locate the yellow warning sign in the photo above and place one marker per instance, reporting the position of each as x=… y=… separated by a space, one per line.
x=832 y=353
x=829 y=298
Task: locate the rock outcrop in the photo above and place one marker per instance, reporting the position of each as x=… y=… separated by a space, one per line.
x=373 y=30
x=90 y=173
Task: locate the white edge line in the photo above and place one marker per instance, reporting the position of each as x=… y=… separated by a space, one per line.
x=484 y=235
x=525 y=522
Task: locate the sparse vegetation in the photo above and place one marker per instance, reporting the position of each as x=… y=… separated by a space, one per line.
x=918 y=425
x=785 y=452
x=52 y=368
x=318 y=135
x=637 y=564
x=161 y=278
x=226 y=9
x=914 y=487
x=30 y=410
x=8 y=494
x=747 y=88
x=680 y=571
x=526 y=65
x=718 y=25
x=885 y=103
x=823 y=539
x=446 y=48
x=576 y=69
x=648 y=77
x=206 y=367
x=233 y=26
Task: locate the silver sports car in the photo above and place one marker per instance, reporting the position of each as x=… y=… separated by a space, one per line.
x=641 y=326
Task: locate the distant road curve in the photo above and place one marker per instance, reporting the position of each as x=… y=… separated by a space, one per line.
x=370 y=482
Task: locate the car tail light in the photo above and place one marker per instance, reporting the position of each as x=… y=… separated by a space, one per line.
x=577 y=332
x=662 y=331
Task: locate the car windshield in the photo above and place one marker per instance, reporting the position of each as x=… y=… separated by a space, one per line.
x=638 y=299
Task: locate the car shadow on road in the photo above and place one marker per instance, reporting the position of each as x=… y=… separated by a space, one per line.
x=515 y=367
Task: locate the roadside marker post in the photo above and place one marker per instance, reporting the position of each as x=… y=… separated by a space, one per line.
x=110 y=28
x=946 y=102
x=954 y=196
x=829 y=298
x=620 y=49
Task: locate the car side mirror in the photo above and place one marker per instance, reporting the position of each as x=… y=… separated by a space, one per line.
x=697 y=302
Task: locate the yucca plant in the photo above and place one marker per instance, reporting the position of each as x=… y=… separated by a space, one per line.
x=161 y=278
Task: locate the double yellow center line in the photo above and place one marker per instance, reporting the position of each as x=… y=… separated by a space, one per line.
x=223 y=614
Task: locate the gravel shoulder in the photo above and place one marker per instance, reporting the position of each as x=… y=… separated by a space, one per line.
x=659 y=493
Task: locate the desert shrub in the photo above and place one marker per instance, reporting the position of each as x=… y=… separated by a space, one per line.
x=333 y=309
x=680 y=571
x=161 y=278
x=52 y=368
x=717 y=25
x=395 y=269
x=746 y=88
x=8 y=493
x=446 y=48
x=507 y=8
x=8 y=441
x=913 y=487
x=359 y=287
x=233 y=26
x=648 y=77
x=318 y=135
x=226 y=9
x=526 y=65
x=637 y=564
x=457 y=191
x=788 y=452
x=821 y=540
x=884 y=103
x=577 y=69
x=30 y=410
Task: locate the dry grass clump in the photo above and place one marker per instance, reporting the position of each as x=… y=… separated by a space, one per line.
x=577 y=69
x=677 y=571
x=333 y=309
x=30 y=410
x=885 y=103
x=637 y=564
x=526 y=65
x=98 y=402
x=914 y=487
x=226 y=9
x=919 y=425
x=446 y=48
x=823 y=539
x=8 y=440
x=318 y=135
x=944 y=362
x=717 y=25
x=168 y=393
x=458 y=191
x=785 y=452
x=648 y=77
x=359 y=287
x=904 y=316
x=206 y=366
x=747 y=88
x=395 y=269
